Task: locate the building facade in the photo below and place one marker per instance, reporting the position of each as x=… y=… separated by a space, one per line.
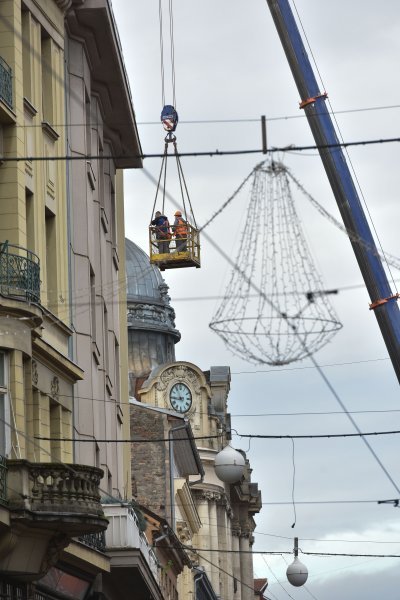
x=67 y=129
x=212 y=520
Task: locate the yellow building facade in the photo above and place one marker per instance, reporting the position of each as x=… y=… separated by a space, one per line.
x=65 y=113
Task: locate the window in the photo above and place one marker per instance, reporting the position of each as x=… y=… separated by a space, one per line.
x=5 y=434
x=51 y=260
x=47 y=78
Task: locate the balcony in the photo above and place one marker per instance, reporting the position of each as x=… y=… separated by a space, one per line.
x=58 y=497
x=133 y=562
x=124 y=532
x=19 y=273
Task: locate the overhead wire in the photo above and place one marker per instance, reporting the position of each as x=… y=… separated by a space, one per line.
x=216 y=121
x=276 y=309
x=126 y=156
x=304 y=586
x=276 y=578
x=254 y=436
x=345 y=149
x=330 y=540
x=287 y=552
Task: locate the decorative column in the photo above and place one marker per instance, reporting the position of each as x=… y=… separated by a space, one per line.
x=246 y=565
x=224 y=512
x=215 y=573
x=203 y=536
x=237 y=587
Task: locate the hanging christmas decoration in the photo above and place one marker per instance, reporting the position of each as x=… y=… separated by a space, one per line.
x=275 y=310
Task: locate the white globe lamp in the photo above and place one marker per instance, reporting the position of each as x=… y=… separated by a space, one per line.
x=296 y=573
x=229 y=465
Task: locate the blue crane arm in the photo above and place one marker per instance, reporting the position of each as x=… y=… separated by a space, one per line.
x=383 y=301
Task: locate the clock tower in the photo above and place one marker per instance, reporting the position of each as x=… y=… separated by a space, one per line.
x=183 y=412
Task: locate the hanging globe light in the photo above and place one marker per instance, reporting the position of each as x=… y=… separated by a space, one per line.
x=296 y=573
x=229 y=465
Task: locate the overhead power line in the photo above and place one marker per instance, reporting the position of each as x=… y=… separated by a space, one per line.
x=209 y=437
x=279 y=552
x=277 y=310
x=215 y=121
x=270 y=119
x=290 y=148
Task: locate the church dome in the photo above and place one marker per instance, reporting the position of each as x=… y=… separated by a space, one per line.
x=143 y=279
x=148 y=301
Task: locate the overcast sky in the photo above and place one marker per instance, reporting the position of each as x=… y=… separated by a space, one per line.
x=230 y=65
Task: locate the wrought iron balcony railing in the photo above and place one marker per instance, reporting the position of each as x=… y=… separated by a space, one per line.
x=94 y=540
x=3 y=480
x=19 y=272
x=6 y=83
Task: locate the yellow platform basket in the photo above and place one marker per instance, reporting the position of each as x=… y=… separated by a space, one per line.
x=175 y=253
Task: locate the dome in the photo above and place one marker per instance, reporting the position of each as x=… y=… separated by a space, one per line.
x=148 y=302
x=143 y=279
x=150 y=317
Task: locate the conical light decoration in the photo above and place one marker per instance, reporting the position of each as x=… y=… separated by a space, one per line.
x=229 y=465
x=275 y=310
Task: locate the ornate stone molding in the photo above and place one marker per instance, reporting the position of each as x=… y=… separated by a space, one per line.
x=55 y=388
x=181 y=372
x=35 y=374
x=224 y=502
x=151 y=314
x=209 y=495
x=184 y=533
x=236 y=531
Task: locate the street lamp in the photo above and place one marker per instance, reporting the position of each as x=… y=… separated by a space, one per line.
x=229 y=465
x=296 y=572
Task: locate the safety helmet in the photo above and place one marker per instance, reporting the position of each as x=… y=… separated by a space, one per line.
x=177 y=213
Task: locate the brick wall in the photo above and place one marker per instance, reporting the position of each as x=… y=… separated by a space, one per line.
x=150 y=461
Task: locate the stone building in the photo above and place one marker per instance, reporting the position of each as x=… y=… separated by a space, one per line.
x=219 y=534
x=67 y=129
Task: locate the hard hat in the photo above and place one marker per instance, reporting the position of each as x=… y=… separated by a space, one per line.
x=177 y=213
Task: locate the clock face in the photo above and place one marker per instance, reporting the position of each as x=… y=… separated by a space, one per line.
x=180 y=397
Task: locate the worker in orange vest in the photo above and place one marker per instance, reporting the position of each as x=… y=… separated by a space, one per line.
x=180 y=229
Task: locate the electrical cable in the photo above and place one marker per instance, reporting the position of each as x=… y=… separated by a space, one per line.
x=311 y=357
x=293 y=483
x=216 y=121
x=287 y=552
x=241 y=435
x=283 y=370
x=329 y=541
x=219 y=568
x=273 y=150
x=345 y=149
x=161 y=53
x=276 y=578
x=304 y=585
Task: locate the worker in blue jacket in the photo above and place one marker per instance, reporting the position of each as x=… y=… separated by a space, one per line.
x=163 y=233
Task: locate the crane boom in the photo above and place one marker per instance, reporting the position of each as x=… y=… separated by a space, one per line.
x=383 y=301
